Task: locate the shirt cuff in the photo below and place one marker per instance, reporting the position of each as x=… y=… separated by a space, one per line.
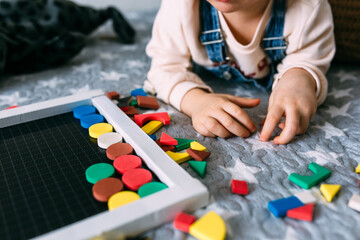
x=181 y=89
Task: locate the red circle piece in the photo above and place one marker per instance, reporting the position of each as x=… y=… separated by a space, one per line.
x=105 y=188
x=118 y=149
x=126 y=162
x=135 y=178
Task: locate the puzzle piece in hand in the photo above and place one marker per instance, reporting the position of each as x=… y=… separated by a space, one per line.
x=320 y=174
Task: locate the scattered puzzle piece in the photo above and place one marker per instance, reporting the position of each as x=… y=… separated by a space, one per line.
x=357 y=170
x=281 y=206
x=103 y=189
x=354 y=202
x=163 y=117
x=138 y=92
x=168 y=148
x=153 y=137
x=209 y=227
x=302 y=213
x=150 y=188
x=306 y=197
x=124 y=102
x=183 y=221
x=198 y=167
x=147 y=102
x=329 y=191
x=135 y=178
x=133 y=103
x=239 y=187
x=99 y=129
x=320 y=174
x=130 y=110
x=183 y=143
x=179 y=157
x=166 y=140
x=113 y=95
x=121 y=198
x=197 y=146
x=152 y=126
x=198 y=155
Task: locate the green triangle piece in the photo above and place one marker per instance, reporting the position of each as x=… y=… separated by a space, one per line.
x=183 y=143
x=198 y=167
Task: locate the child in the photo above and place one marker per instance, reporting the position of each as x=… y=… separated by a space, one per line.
x=281 y=45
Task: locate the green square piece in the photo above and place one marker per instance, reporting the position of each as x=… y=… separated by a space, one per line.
x=183 y=143
x=198 y=167
x=320 y=174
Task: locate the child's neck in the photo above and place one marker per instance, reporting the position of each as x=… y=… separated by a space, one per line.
x=243 y=22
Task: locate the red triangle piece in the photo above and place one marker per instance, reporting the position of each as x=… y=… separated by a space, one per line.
x=303 y=213
x=165 y=139
x=198 y=155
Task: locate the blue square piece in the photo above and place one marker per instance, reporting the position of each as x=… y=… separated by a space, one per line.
x=138 y=92
x=153 y=137
x=281 y=206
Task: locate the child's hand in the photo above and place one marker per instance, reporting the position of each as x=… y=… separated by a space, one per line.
x=218 y=114
x=294 y=97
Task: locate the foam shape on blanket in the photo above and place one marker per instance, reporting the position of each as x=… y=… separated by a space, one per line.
x=209 y=227
x=141 y=119
x=302 y=213
x=319 y=174
x=329 y=191
x=354 y=202
x=281 y=206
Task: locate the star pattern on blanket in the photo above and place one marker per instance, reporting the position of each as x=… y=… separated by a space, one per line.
x=330 y=130
x=51 y=83
x=113 y=76
x=342 y=111
x=341 y=93
x=78 y=90
x=241 y=171
x=13 y=99
x=256 y=144
x=345 y=76
x=322 y=157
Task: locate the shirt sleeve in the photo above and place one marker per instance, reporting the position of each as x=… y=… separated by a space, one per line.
x=312 y=47
x=170 y=75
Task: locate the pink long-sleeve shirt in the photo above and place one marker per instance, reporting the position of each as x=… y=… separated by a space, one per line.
x=175 y=42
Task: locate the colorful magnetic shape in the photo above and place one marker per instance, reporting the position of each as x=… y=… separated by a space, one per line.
x=198 y=167
x=130 y=110
x=89 y=120
x=329 y=191
x=209 y=227
x=107 y=139
x=125 y=163
x=153 y=137
x=183 y=143
x=150 y=188
x=281 y=206
x=99 y=171
x=133 y=103
x=168 y=148
x=124 y=102
x=121 y=198
x=239 y=187
x=197 y=146
x=354 y=202
x=133 y=179
x=98 y=129
x=183 y=221
x=147 y=102
x=302 y=213
x=166 y=140
x=81 y=111
x=198 y=155
x=306 y=197
x=152 y=126
x=320 y=174
x=179 y=157
x=141 y=119
x=113 y=95
x=357 y=170
x=138 y=92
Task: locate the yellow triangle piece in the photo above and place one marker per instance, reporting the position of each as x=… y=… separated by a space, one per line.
x=197 y=146
x=179 y=157
x=152 y=126
x=357 y=170
x=329 y=191
x=209 y=227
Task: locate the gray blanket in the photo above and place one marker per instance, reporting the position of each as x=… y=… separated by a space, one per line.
x=332 y=140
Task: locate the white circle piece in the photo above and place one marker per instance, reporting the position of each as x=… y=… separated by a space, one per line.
x=107 y=139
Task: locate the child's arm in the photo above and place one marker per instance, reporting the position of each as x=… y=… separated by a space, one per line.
x=218 y=114
x=301 y=84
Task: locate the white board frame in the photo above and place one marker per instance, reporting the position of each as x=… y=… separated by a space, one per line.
x=184 y=193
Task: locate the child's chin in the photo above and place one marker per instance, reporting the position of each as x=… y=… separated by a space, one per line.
x=223 y=5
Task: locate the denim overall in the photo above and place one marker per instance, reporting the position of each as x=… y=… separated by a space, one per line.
x=273 y=43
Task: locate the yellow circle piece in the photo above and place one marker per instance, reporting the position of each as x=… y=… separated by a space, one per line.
x=121 y=198
x=99 y=128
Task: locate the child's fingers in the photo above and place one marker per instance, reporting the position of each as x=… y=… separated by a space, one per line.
x=240 y=115
x=271 y=121
x=231 y=124
x=292 y=123
x=200 y=128
x=244 y=102
x=214 y=127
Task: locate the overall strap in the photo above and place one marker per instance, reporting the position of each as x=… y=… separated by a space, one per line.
x=211 y=36
x=274 y=43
